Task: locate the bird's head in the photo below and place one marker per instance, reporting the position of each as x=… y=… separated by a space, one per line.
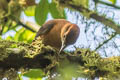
x=69 y=35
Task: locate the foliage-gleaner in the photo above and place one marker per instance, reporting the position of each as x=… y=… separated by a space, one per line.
x=58 y=33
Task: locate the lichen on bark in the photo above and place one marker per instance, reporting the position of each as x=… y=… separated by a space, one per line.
x=84 y=62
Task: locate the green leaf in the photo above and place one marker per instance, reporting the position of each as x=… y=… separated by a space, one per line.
x=20 y=76
x=87 y=3
x=113 y=1
x=28 y=36
x=30 y=11
x=41 y=11
x=24 y=35
x=0 y=37
x=5 y=29
x=18 y=34
x=10 y=38
x=56 y=12
x=34 y=73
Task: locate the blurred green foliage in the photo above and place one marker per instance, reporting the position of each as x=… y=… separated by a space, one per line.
x=22 y=35
x=35 y=74
x=113 y=1
x=85 y=3
x=40 y=12
x=44 y=7
x=0 y=37
x=67 y=70
x=30 y=11
x=56 y=12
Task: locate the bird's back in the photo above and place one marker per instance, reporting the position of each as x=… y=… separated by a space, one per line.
x=50 y=32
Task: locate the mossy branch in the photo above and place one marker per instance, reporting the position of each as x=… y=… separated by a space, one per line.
x=90 y=14
x=31 y=56
x=108 y=4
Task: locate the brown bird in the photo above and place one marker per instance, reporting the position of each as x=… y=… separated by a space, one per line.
x=58 y=33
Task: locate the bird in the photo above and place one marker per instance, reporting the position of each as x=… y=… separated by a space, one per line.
x=58 y=33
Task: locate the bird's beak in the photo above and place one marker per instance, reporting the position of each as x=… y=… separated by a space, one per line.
x=62 y=47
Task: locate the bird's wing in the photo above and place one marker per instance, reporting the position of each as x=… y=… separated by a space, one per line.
x=45 y=29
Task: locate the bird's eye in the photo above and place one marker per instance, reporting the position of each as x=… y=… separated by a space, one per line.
x=64 y=36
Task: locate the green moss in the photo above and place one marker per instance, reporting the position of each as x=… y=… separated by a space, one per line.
x=14 y=46
x=80 y=2
x=9 y=47
x=3 y=46
x=86 y=63
x=96 y=66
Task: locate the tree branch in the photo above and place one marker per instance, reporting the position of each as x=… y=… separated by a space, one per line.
x=111 y=5
x=29 y=27
x=104 y=42
x=91 y=14
x=88 y=63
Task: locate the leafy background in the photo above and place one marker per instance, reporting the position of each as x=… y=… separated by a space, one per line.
x=44 y=10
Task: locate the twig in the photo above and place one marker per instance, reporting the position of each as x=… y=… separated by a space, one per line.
x=25 y=26
x=111 y=5
x=22 y=24
x=104 y=42
x=91 y=14
x=116 y=46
